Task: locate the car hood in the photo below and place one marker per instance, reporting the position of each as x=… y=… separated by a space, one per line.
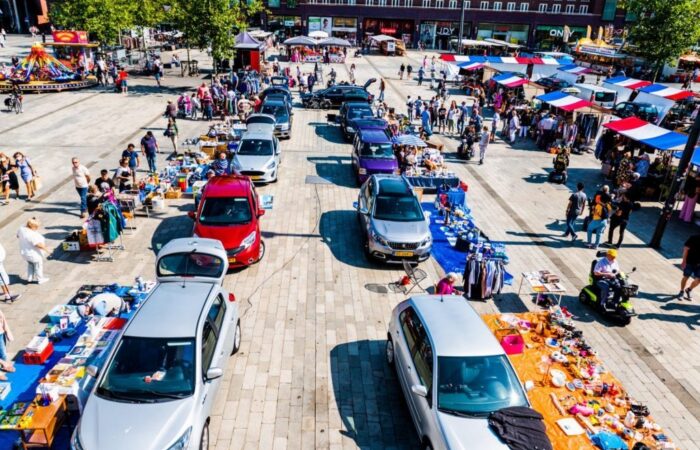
x=229 y=235
x=463 y=433
x=251 y=162
x=109 y=425
x=388 y=164
x=401 y=231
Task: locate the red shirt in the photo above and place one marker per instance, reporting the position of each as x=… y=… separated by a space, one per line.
x=444 y=288
x=123 y=75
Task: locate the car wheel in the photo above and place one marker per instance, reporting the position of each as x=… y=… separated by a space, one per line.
x=389 y=352
x=204 y=440
x=326 y=105
x=261 y=252
x=236 y=338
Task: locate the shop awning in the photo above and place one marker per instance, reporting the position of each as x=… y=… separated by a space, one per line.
x=629 y=83
x=470 y=65
x=509 y=80
x=573 y=68
x=382 y=38
x=451 y=58
x=666 y=92
x=648 y=134
x=301 y=40
x=244 y=41
x=694 y=160
x=564 y=101
x=502 y=43
x=408 y=139
x=334 y=42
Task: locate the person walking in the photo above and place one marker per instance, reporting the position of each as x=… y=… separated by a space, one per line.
x=134 y=161
x=5 y=281
x=598 y=222
x=484 y=143
x=149 y=147
x=32 y=247
x=495 y=123
x=575 y=207
x=402 y=69
x=409 y=71
x=513 y=126
x=409 y=107
x=8 y=179
x=26 y=172
x=620 y=218
x=157 y=71
x=171 y=131
x=421 y=74
x=691 y=266
x=81 y=179
x=425 y=122
x=382 y=87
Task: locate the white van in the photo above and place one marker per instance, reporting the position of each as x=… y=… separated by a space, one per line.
x=598 y=95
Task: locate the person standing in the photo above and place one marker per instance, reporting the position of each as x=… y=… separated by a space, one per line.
x=123 y=78
x=409 y=71
x=483 y=144
x=157 y=70
x=620 y=218
x=575 y=207
x=134 y=161
x=26 y=172
x=598 y=222
x=691 y=189
x=149 y=147
x=402 y=69
x=425 y=122
x=495 y=123
x=8 y=179
x=691 y=266
x=32 y=246
x=513 y=126
x=171 y=131
x=123 y=176
x=5 y=337
x=409 y=107
x=5 y=280
x=382 y=87
x=81 y=179
x=421 y=74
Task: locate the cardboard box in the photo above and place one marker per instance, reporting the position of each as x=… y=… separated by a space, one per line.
x=173 y=193
x=71 y=246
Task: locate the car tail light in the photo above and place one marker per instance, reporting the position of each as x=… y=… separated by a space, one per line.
x=231 y=297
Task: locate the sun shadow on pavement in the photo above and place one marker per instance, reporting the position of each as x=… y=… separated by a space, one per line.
x=691 y=318
x=336 y=169
x=340 y=231
x=330 y=133
x=369 y=397
x=170 y=228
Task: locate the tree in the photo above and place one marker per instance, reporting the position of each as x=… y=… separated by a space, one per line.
x=103 y=19
x=664 y=28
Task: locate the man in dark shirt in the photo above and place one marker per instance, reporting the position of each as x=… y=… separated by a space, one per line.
x=149 y=147
x=105 y=183
x=690 y=266
x=620 y=218
x=134 y=161
x=576 y=206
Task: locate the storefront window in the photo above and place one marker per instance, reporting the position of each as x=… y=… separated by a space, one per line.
x=441 y=35
x=285 y=26
x=513 y=33
x=549 y=37
x=345 y=28
x=395 y=28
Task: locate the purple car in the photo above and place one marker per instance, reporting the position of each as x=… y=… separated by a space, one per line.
x=373 y=152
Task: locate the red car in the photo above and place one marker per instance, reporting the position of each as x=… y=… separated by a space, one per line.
x=229 y=211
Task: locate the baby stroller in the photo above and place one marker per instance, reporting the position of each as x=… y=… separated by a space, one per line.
x=561 y=163
x=466 y=147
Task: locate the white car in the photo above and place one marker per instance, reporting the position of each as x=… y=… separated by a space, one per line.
x=452 y=370
x=159 y=383
x=258 y=156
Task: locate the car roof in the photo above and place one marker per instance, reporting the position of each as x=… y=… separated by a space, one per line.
x=393 y=186
x=257 y=134
x=454 y=326
x=274 y=102
x=172 y=310
x=227 y=186
x=379 y=124
x=363 y=105
x=373 y=136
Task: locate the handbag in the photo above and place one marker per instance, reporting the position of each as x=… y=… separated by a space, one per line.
x=36 y=183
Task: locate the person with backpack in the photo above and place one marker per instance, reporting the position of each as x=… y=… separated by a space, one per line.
x=599 y=221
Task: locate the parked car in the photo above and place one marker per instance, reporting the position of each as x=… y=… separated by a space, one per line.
x=349 y=111
x=335 y=96
x=282 y=112
x=229 y=211
x=373 y=152
x=258 y=156
x=392 y=220
x=452 y=370
x=553 y=83
x=260 y=123
x=275 y=91
x=162 y=376
x=644 y=111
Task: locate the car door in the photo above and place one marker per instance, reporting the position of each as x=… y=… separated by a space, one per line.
x=404 y=342
x=355 y=153
x=335 y=95
x=210 y=350
x=423 y=363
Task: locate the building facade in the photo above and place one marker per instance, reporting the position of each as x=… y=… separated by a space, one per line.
x=436 y=23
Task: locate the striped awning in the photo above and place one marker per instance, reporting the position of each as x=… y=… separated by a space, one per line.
x=648 y=134
x=509 y=80
x=666 y=92
x=470 y=65
x=501 y=60
x=629 y=83
x=564 y=101
x=573 y=68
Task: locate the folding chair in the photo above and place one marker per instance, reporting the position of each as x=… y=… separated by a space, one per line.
x=414 y=274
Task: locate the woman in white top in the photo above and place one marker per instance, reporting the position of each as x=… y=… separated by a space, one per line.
x=32 y=246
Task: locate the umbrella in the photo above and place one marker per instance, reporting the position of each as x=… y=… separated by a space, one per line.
x=301 y=40
x=318 y=34
x=408 y=139
x=334 y=42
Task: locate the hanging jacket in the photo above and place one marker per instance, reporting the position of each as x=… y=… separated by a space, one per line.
x=521 y=428
x=111 y=221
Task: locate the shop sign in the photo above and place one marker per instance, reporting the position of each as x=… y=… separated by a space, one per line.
x=288 y=22
x=445 y=31
x=390 y=46
x=599 y=50
x=70 y=37
x=387 y=30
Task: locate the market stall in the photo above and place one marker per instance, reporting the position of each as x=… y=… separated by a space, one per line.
x=535 y=67
x=583 y=404
x=303 y=49
x=336 y=48
x=564 y=101
x=663 y=97
x=389 y=45
x=571 y=72
x=250 y=52
x=624 y=86
x=648 y=134
x=74 y=50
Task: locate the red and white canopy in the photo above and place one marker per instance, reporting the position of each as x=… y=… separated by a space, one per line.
x=470 y=65
x=564 y=101
x=646 y=133
x=510 y=80
x=573 y=68
x=629 y=83
x=666 y=92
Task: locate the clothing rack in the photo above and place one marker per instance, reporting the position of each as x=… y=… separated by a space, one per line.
x=483 y=276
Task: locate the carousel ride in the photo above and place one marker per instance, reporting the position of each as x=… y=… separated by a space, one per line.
x=41 y=72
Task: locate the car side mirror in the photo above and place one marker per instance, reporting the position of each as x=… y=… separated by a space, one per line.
x=214 y=372
x=419 y=389
x=261 y=212
x=191 y=215
x=93 y=371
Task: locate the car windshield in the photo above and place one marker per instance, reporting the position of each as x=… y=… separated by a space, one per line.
x=383 y=151
x=398 y=209
x=146 y=370
x=225 y=211
x=605 y=96
x=357 y=113
x=647 y=109
x=279 y=111
x=255 y=147
x=190 y=264
x=477 y=385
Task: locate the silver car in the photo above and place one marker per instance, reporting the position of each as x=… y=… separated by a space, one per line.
x=452 y=370
x=392 y=220
x=159 y=383
x=258 y=156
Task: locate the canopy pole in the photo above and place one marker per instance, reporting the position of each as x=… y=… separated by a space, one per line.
x=461 y=30
x=667 y=210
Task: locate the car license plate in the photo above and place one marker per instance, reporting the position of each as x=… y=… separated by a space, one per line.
x=232 y=260
x=255 y=177
x=404 y=254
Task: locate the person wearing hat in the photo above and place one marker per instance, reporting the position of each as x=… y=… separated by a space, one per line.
x=446 y=286
x=604 y=272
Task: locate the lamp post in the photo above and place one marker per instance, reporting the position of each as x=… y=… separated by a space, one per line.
x=675 y=184
x=461 y=31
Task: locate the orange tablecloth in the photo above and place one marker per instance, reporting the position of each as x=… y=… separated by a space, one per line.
x=530 y=366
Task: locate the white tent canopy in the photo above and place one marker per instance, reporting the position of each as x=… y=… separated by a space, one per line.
x=318 y=34
x=383 y=38
x=475 y=43
x=502 y=43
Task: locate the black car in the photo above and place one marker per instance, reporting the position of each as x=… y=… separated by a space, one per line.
x=553 y=83
x=335 y=96
x=350 y=111
x=644 y=111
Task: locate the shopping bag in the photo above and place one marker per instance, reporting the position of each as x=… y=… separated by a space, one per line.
x=36 y=183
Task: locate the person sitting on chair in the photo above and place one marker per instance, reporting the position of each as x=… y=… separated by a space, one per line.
x=604 y=273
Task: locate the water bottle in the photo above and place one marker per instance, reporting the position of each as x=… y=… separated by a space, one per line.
x=140 y=285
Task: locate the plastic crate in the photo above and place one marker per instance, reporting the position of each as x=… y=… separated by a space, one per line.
x=38 y=358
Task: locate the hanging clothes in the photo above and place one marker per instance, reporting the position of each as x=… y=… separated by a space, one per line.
x=112 y=222
x=483 y=278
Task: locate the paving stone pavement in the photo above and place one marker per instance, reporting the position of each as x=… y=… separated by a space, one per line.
x=310 y=373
